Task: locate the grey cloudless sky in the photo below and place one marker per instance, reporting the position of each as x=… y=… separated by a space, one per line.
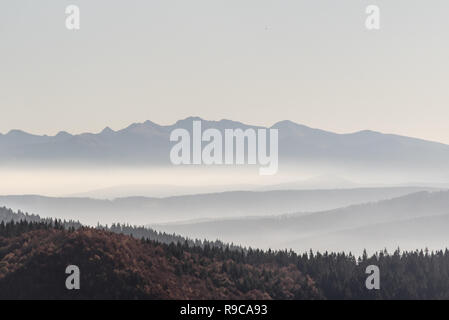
x=256 y=61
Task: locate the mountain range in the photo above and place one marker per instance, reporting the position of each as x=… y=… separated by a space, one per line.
x=148 y=144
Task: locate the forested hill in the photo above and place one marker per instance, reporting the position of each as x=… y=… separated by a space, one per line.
x=34 y=255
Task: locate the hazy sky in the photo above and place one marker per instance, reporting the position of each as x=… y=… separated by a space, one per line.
x=256 y=61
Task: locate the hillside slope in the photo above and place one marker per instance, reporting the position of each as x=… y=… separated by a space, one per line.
x=113 y=266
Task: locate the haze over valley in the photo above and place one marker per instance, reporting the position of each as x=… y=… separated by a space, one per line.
x=332 y=191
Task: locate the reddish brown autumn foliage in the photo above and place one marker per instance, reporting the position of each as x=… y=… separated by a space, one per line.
x=113 y=266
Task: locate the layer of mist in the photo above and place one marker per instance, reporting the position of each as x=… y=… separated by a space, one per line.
x=234 y=204
x=416 y=220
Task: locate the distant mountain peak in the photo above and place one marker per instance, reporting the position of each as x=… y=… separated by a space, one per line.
x=233 y=124
x=290 y=124
x=290 y=128
x=188 y=120
x=285 y=123
x=150 y=123
x=107 y=130
x=16 y=132
x=367 y=132
x=139 y=126
x=63 y=134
